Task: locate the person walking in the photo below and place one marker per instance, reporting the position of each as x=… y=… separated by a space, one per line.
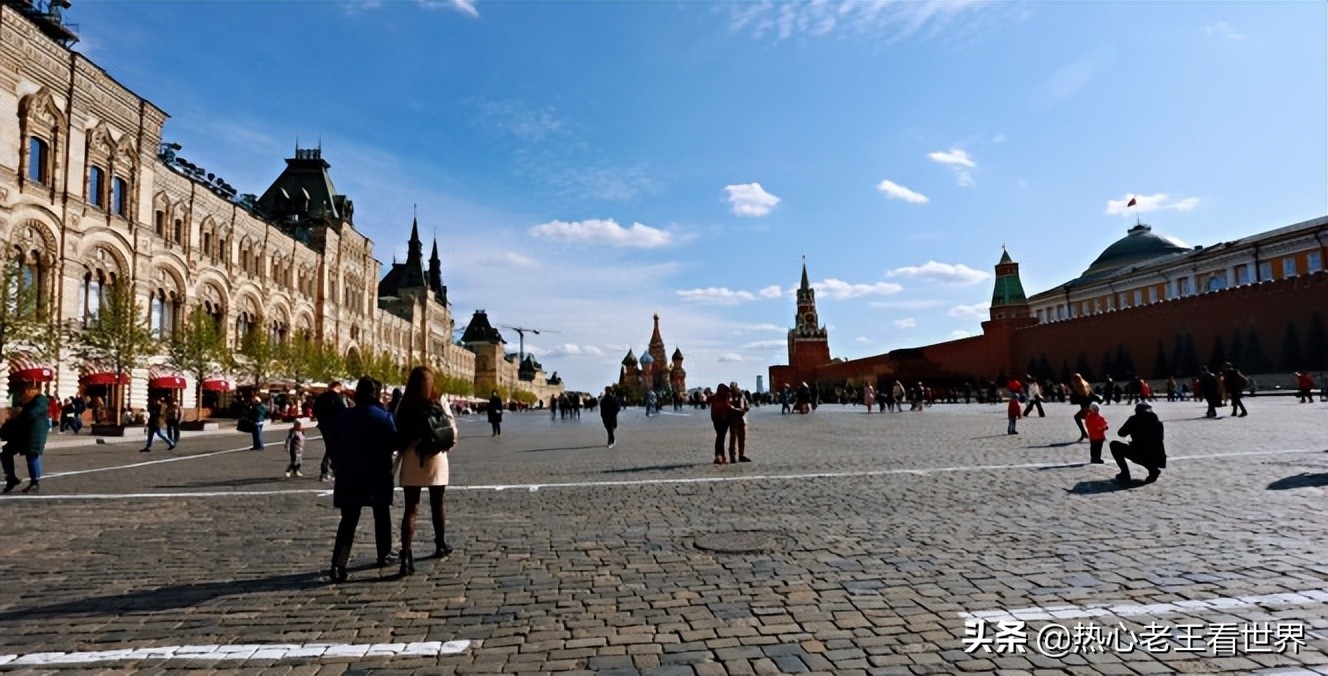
x=652 y=402
x=257 y=415
x=1081 y=394
x=869 y=397
x=721 y=406
x=1012 y=412
x=1097 y=433
x=25 y=433
x=785 y=400
x=295 y=447
x=496 y=413
x=1235 y=382
x=173 y=414
x=1211 y=392
x=364 y=474
x=327 y=408
x=424 y=443
x=1034 y=398
x=156 y=415
x=608 y=413
x=1305 y=387
x=1146 y=447
x=740 y=404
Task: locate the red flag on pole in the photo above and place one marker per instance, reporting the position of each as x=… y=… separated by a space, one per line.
x=1132 y=202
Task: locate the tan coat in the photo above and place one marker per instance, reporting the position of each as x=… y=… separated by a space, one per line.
x=433 y=472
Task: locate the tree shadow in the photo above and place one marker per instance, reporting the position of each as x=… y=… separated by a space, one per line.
x=1302 y=480
x=167 y=598
x=1103 y=486
x=652 y=468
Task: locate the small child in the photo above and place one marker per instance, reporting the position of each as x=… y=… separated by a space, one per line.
x=295 y=445
x=1097 y=433
x=1013 y=410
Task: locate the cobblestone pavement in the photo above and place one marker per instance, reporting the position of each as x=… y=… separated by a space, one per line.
x=883 y=534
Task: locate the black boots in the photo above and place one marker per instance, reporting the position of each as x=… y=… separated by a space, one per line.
x=407 y=562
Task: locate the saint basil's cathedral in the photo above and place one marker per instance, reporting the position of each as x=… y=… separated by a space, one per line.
x=652 y=371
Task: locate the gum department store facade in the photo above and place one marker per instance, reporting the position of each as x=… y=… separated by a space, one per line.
x=90 y=196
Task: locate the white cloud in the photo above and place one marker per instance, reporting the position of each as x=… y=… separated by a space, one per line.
x=1147 y=203
x=906 y=323
x=1071 y=78
x=918 y=304
x=570 y=350
x=466 y=7
x=841 y=290
x=509 y=259
x=765 y=344
x=728 y=357
x=717 y=295
x=978 y=311
x=960 y=333
x=999 y=138
x=750 y=199
x=895 y=191
x=953 y=274
x=771 y=291
x=862 y=339
x=1224 y=29
x=760 y=327
x=607 y=232
x=885 y=21
x=516 y=118
x=958 y=160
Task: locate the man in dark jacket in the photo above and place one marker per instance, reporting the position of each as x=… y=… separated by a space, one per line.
x=25 y=434
x=1235 y=383
x=1146 y=447
x=327 y=408
x=608 y=412
x=1211 y=392
x=367 y=437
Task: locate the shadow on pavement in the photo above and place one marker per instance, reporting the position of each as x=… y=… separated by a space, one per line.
x=652 y=468
x=1103 y=486
x=565 y=448
x=1302 y=480
x=164 y=598
x=230 y=483
x=1059 y=444
x=1065 y=466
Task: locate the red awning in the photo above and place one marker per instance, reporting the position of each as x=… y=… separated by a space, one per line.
x=167 y=383
x=103 y=378
x=39 y=374
x=217 y=385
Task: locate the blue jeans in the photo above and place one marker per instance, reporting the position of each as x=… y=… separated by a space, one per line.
x=34 y=465
x=258 y=437
x=154 y=432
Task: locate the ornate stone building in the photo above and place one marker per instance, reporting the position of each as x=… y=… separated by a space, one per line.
x=653 y=371
x=496 y=369
x=91 y=197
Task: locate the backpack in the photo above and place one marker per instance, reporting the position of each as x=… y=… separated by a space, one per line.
x=439 y=433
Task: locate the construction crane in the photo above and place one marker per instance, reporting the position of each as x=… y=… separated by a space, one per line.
x=521 y=338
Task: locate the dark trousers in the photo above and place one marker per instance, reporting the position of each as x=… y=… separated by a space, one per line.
x=7 y=462
x=1236 y=403
x=609 y=427
x=1122 y=451
x=1213 y=403
x=350 y=518
x=1079 y=420
x=1036 y=401
x=436 y=513
x=738 y=439
x=173 y=430
x=721 y=430
x=1095 y=449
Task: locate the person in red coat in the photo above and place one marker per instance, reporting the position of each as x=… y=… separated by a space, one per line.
x=1097 y=433
x=1305 y=384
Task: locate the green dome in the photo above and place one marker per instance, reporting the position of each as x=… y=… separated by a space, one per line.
x=1138 y=245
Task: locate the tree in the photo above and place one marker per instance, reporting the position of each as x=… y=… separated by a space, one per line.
x=1124 y=361
x=118 y=336
x=198 y=349
x=1219 y=355
x=1083 y=369
x=22 y=317
x=259 y=352
x=1236 y=353
x=1317 y=344
x=1291 y=357
x=1161 y=367
x=298 y=358
x=326 y=362
x=1256 y=360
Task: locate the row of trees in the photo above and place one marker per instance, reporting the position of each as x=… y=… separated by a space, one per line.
x=118 y=338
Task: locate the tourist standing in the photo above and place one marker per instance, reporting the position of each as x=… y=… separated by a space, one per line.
x=327 y=408
x=721 y=406
x=785 y=400
x=1146 y=447
x=24 y=433
x=156 y=415
x=173 y=414
x=1211 y=392
x=364 y=473
x=1081 y=394
x=869 y=397
x=257 y=415
x=496 y=413
x=1305 y=386
x=295 y=447
x=1097 y=433
x=1012 y=412
x=740 y=404
x=1235 y=382
x=608 y=413
x=424 y=460
x=803 y=398
x=652 y=402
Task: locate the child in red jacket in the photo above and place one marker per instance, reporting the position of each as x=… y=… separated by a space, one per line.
x=1013 y=410
x=1097 y=433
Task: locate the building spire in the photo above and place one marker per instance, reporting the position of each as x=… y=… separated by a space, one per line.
x=805 y=284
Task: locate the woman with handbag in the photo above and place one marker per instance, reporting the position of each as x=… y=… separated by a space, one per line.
x=426 y=431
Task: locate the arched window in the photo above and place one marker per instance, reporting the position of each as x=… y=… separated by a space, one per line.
x=97 y=186
x=178 y=234
x=207 y=245
x=163 y=314
x=243 y=325
x=159 y=222
x=217 y=313
x=119 y=196
x=39 y=161
x=92 y=291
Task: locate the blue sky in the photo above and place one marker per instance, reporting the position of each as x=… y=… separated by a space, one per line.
x=585 y=165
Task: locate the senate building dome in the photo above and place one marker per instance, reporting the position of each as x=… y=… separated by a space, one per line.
x=1138 y=245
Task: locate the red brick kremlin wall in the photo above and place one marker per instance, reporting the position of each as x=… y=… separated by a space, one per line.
x=1251 y=322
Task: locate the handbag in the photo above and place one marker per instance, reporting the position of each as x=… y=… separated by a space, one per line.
x=244 y=425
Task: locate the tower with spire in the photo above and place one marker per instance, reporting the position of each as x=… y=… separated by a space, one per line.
x=653 y=370
x=808 y=341
x=1007 y=298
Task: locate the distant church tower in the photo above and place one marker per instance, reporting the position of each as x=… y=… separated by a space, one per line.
x=808 y=342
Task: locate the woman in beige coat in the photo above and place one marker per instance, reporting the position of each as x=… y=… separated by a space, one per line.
x=421 y=471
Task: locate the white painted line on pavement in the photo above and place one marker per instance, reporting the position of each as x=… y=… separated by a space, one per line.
x=1070 y=612
x=913 y=471
x=175 y=458
x=212 y=653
